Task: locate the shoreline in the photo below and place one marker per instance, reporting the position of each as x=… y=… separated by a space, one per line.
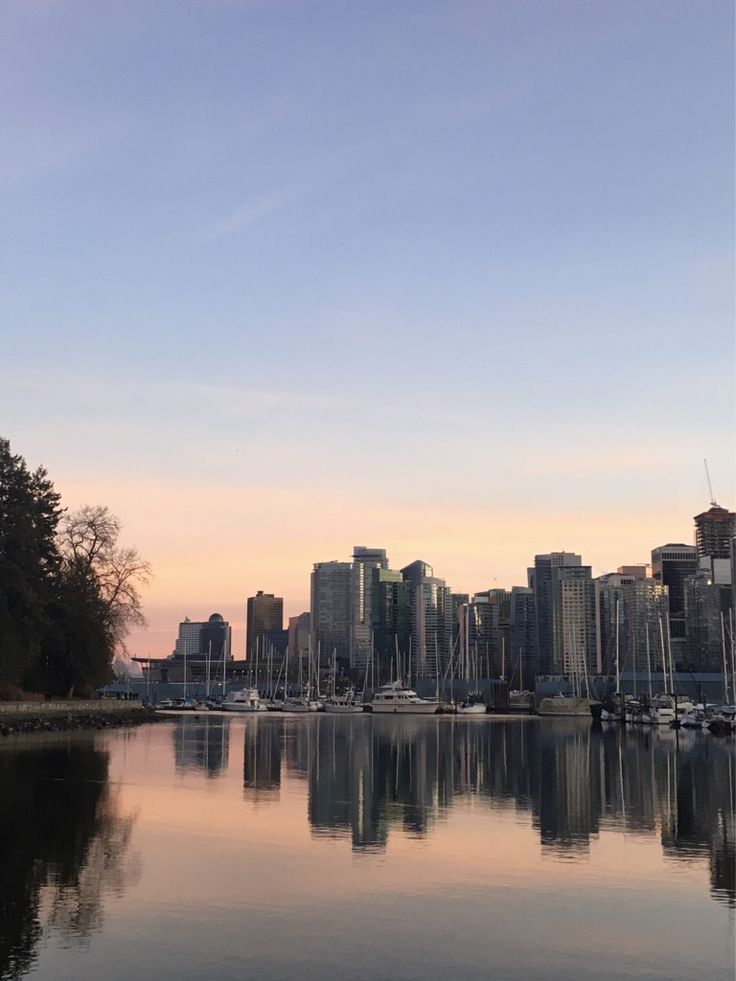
x=24 y=718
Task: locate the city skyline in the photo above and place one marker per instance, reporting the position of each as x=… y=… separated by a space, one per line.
x=235 y=611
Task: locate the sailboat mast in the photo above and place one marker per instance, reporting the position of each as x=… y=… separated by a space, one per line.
x=733 y=654
x=725 y=662
x=669 y=652
x=618 y=653
x=664 y=653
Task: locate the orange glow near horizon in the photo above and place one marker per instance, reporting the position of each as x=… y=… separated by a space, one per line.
x=212 y=546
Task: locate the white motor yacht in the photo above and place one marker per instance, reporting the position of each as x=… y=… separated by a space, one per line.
x=247 y=700
x=396 y=700
x=348 y=703
x=662 y=710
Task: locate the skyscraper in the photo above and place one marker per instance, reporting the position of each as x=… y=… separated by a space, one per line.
x=199 y=639
x=523 y=632
x=365 y=562
x=642 y=604
x=485 y=645
x=431 y=612
x=573 y=621
x=330 y=611
x=543 y=581
x=714 y=530
x=708 y=614
x=264 y=619
x=391 y=618
x=671 y=565
x=299 y=630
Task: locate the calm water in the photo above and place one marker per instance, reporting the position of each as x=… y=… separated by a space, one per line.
x=313 y=847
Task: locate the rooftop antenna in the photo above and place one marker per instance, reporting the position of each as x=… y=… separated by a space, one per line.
x=710 y=486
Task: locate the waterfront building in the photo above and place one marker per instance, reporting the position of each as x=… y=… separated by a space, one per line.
x=671 y=565
x=391 y=619
x=564 y=610
x=523 y=635
x=330 y=611
x=366 y=561
x=299 y=631
x=432 y=628
x=709 y=614
x=714 y=530
x=264 y=622
x=642 y=603
x=199 y=639
x=484 y=638
x=574 y=650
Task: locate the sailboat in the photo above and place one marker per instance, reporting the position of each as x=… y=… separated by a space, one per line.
x=303 y=702
x=520 y=699
x=474 y=704
x=347 y=702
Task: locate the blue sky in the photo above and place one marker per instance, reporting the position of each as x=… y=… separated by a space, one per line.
x=462 y=256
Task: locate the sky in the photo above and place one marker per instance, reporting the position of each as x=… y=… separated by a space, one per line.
x=456 y=279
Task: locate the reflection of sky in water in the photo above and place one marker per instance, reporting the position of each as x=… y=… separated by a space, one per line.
x=389 y=848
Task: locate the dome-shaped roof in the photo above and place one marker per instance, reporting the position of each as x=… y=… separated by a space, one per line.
x=216 y=618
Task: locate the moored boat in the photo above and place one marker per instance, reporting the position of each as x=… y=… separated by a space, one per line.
x=565 y=705
x=347 y=703
x=521 y=701
x=473 y=705
x=394 y=699
x=246 y=700
x=302 y=703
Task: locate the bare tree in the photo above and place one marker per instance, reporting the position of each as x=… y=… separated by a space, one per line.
x=89 y=543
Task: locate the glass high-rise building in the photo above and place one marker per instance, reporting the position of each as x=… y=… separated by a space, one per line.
x=524 y=633
x=432 y=627
x=552 y=631
x=643 y=603
x=366 y=561
x=264 y=622
x=391 y=620
x=330 y=609
x=671 y=565
x=199 y=639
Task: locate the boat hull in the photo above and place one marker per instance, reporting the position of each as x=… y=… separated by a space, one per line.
x=412 y=708
x=565 y=707
x=243 y=708
x=343 y=709
x=479 y=709
x=300 y=707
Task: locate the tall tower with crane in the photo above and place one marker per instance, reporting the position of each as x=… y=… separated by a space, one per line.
x=714 y=528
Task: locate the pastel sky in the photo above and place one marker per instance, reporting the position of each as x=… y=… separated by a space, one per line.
x=453 y=278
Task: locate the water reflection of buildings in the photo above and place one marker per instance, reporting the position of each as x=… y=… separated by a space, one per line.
x=201 y=743
x=365 y=775
x=262 y=757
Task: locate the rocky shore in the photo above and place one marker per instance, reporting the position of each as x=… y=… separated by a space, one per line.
x=29 y=721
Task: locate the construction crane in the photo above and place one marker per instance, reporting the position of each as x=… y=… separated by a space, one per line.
x=713 y=501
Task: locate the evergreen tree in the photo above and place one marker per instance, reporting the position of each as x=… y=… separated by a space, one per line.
x=29 y=563
x=68 y=590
